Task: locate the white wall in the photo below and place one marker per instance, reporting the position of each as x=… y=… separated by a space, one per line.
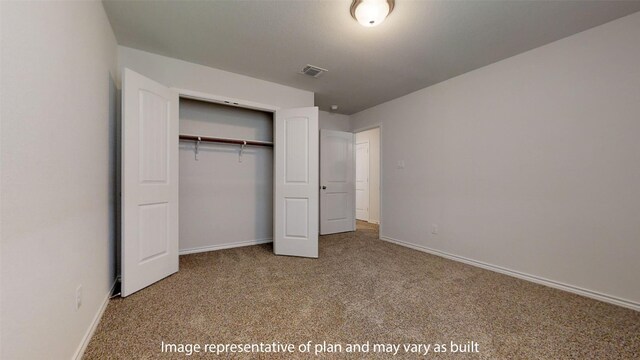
x=185 y=75
x=57 y=165
x=334 y=121
x=225 y=202
x=372 y=136
x=530 y=164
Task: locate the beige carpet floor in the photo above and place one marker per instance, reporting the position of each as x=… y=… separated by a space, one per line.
x=360 y=289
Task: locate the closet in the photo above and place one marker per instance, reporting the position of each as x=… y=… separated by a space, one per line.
x=234 y=193
x=225 y=186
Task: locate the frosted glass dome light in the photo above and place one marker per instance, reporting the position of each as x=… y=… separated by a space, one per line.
x=371 y=12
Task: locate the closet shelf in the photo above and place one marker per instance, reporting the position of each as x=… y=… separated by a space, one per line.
x=225 y=141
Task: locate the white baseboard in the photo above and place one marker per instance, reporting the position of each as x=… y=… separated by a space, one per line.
x=224 y=246
x=370 y=221
x=94 y=325
x=535 y=279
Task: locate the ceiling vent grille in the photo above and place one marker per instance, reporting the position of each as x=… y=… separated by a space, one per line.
x=313 y=71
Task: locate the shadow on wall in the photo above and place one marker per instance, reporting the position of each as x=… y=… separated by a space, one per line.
x=114 y=177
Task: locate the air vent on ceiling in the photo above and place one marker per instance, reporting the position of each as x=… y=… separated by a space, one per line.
x=313 y=71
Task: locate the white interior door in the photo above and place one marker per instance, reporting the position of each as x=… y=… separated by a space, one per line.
x=295 y=197
x=337 y=182
x=362 y=181
x=149 y=182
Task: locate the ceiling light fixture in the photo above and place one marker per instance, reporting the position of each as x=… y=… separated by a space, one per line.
x=371 y=12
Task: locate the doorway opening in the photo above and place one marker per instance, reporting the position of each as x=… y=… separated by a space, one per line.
x=368 y=175
x=225 y=186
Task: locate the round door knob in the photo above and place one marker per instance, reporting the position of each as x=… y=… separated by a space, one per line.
x=324 y=187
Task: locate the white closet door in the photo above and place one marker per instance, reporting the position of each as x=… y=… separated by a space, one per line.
x=296 y=182
x=337 y=181
x=149 y=182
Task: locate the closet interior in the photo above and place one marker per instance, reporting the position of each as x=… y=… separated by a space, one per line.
x=226 y=176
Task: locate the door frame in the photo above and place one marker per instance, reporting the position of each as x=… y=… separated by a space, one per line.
x=223 y=100
x=381 y=165
x=246 y=104
x=227 y=101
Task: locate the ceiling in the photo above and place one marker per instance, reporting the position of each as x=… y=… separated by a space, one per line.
x=421 y=43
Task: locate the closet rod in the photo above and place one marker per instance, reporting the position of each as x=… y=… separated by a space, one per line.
x=226 y=141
